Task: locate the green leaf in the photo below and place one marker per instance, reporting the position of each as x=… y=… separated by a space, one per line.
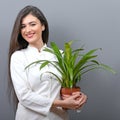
x=71 y=64
x=44 y=64
x=108 y=68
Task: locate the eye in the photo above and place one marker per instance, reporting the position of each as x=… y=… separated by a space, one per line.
x=32 y=24
x=22 y=26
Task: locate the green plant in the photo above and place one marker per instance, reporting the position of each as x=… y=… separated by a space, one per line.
x=71 y=64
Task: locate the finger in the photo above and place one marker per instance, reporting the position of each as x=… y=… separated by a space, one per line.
x=74 y=93
x=83 y=100
x=65 y=95
x=75 y=96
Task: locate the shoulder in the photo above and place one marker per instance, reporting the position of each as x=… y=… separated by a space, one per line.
x=17 y=55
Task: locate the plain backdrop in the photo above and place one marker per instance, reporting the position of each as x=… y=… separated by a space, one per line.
x=93 y=23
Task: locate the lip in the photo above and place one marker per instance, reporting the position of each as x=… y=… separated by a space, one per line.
x=30 y=35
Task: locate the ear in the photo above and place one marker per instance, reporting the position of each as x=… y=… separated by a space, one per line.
x=43 y=27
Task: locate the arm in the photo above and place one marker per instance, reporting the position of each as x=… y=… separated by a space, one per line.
x=26 y=96
x=71 y=102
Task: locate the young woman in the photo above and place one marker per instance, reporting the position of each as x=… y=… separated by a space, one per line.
x=38 y=98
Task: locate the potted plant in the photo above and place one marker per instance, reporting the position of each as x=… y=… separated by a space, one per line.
x=71 y=64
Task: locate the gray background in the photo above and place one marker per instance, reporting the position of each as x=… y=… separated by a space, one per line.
x=95 y=23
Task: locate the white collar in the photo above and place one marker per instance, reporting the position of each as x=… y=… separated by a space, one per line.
x=35 y=49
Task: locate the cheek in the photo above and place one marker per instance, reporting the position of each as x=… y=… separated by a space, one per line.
x=39 y=29
x=22 y=33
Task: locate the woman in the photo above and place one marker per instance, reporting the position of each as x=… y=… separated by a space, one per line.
x=37 y=98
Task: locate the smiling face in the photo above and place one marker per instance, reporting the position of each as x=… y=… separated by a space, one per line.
x=31 y=30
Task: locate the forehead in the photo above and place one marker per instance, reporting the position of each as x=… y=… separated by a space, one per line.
x=29 y=18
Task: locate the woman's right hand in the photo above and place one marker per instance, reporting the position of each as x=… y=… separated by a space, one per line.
x=71 y=101
x=74 y=101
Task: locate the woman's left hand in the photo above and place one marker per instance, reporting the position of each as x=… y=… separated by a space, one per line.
x=82 y=98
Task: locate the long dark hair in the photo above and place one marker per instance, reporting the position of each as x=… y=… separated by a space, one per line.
x=17 y=42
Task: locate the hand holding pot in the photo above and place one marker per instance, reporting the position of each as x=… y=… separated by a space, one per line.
x=78 y=99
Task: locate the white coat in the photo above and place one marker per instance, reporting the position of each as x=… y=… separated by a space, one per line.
x=35 y=94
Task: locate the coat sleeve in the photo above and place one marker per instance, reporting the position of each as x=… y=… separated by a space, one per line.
x=26 y=96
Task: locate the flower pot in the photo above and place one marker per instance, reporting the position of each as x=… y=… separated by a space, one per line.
x=69 y=91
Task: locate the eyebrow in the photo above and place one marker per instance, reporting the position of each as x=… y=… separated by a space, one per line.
x=29 y=22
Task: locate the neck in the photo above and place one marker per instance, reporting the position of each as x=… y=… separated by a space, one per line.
x=38 y=45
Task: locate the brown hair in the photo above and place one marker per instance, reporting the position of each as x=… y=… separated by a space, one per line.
x=17 y=42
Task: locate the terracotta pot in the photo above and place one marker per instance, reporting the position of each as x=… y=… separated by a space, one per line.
x=69 y=91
